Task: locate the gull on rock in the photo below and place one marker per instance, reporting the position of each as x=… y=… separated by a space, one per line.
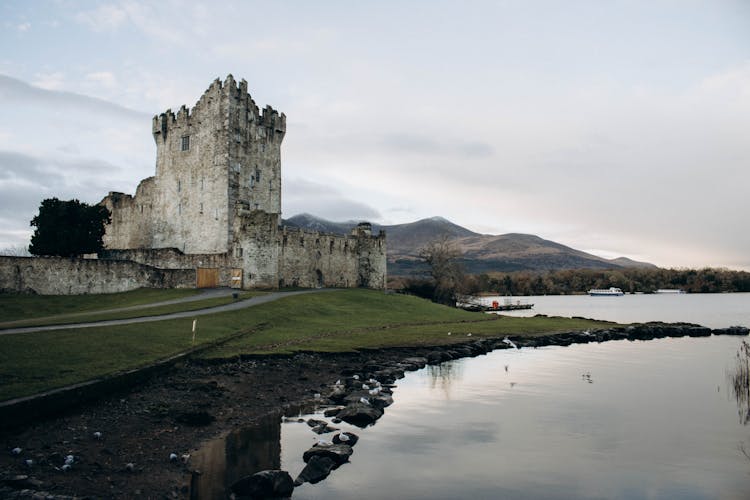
x=506 y=340
x=364 y=401
x=16 y=451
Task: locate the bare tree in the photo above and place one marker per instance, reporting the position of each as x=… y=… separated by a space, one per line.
x=15 y=251
x=442 y=258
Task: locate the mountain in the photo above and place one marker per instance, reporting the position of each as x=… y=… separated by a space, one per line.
x=481 y=252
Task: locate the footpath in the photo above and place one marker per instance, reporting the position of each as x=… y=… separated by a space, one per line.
x=233 y=306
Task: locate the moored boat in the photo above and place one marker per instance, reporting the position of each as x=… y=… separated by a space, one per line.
x=611 y=291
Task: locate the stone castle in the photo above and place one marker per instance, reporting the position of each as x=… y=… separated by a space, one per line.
x=214 y=205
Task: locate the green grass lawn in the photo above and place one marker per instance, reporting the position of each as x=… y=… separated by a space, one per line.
x=91 y=316
x=334 y=321
x=19 y=307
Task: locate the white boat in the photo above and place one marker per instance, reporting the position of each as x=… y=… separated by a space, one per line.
x=669 y=290
x=611 y=291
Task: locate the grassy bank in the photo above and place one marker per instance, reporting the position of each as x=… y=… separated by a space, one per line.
x=21 y=307
x=143 y=310
x=334 y=321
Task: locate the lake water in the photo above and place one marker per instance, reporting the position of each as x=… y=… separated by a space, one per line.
x=713 y=310
x=654 y=419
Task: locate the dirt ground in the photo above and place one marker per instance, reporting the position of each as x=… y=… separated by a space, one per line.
x=174 y=413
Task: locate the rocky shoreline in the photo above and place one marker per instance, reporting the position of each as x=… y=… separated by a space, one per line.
x=139 y=442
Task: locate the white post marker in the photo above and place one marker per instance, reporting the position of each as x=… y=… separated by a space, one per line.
x=195 y=322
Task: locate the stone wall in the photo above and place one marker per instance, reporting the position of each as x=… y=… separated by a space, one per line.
x=312 y=259
x=63 y=276
x=172 y=259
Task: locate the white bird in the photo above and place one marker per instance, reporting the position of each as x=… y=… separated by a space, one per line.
x=468 y=334
x=66 y=467
x=356 y=377
x=29 y=462
x=343 y=437
x=338 y=382
x=69 y=460
x=185 y=458
x=449 y=333
x=172 y=457
x=317 y=395
x=374 y=392
x=97 y=435
x=364 y=401
x=16 y=451
x=506 y=340
x=130 y=466
x=365 y=387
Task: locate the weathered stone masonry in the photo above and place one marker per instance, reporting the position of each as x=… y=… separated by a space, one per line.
x=215 y=204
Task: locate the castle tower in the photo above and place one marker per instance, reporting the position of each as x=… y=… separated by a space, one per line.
x=222 y=155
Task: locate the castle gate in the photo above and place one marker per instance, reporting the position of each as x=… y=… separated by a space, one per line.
x=207 y=277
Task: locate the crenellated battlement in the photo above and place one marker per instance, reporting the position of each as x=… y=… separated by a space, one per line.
x=222 y=98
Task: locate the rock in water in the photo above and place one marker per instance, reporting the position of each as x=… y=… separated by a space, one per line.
x=317 y=469
x=360 y=414
x=265 y=484
x=339 y=453
x=346 y=438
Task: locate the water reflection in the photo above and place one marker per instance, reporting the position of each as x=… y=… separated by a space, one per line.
x=242 y=452
x=652 y=425
x=740 y=382
x=443 y=376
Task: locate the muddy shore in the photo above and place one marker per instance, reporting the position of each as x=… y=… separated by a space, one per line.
x=121 y=444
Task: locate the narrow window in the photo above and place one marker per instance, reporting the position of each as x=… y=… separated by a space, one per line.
x=238 y=252
x=201 y=183
x=185 y=143
x=330 y=247
x=216 y=213
x=257 y=174
x=302 y=242
x=201 y=210
x=179 y=208
x=179 y=186
x=237 y=135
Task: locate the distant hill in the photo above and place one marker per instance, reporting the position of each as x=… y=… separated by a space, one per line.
x=481 y=252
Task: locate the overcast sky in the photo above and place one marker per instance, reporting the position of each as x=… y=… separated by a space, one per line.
x=616 y=127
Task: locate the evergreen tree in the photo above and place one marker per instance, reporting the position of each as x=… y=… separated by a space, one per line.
x=68 y=228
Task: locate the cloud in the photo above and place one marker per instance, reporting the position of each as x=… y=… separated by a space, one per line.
x=23 y=27
x=155 y=20
x=13 y=89
x=49 y=81
x=434 y=146
x=302 y=196
x=103 y=78
x=106 y=17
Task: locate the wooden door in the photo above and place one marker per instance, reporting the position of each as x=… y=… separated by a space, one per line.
x=236 y=278
x=207 y=277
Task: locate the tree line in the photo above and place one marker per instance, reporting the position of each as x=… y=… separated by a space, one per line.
x=573 y=281
x=445 y=281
